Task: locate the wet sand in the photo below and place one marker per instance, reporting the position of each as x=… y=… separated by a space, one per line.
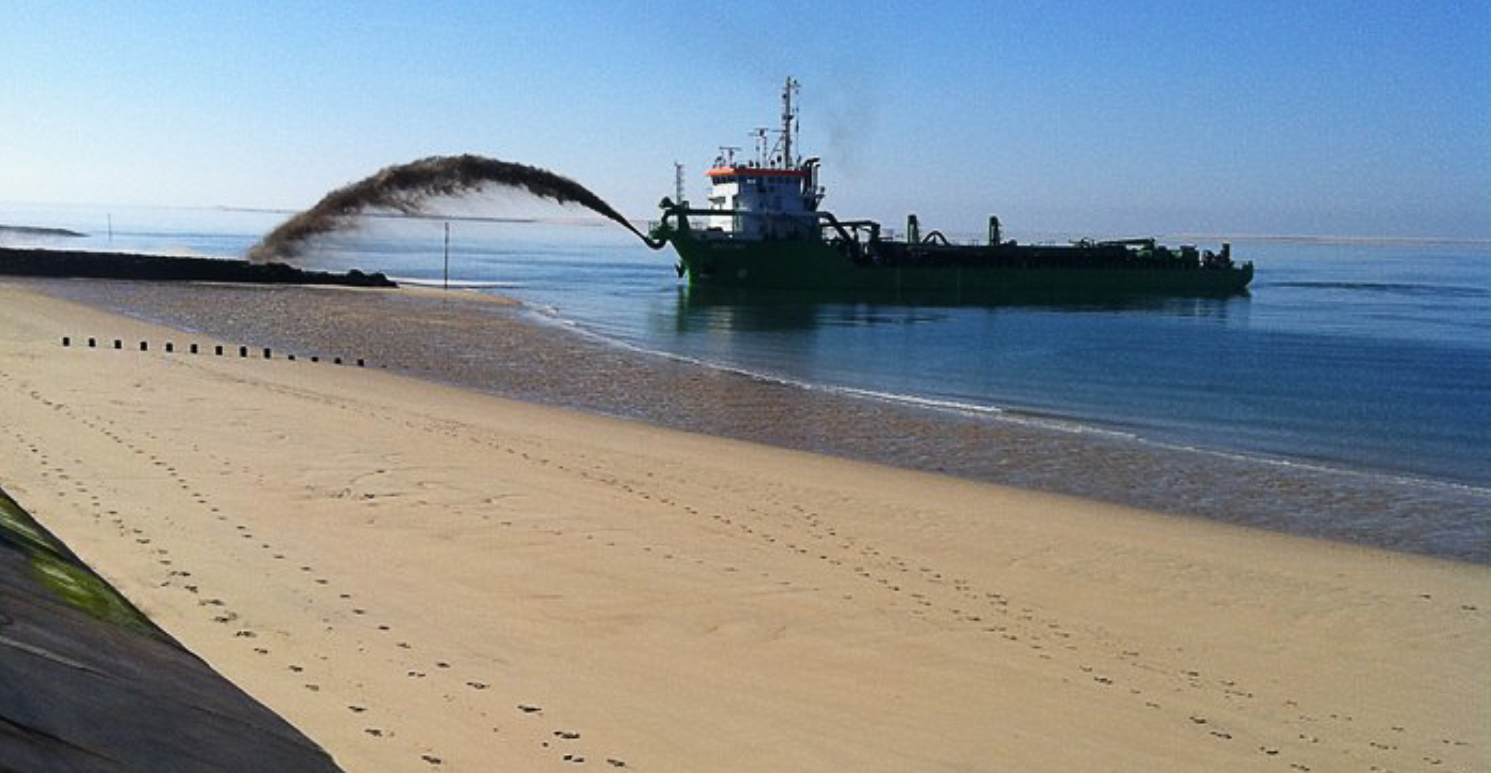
x=426 y=578
x=473 y=340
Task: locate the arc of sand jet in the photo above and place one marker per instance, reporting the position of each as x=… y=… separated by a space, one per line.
x=406 y=188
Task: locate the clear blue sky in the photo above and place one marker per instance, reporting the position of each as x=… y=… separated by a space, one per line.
x=1363 y=118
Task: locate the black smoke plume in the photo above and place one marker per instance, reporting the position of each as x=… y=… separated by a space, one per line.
x=405 y=188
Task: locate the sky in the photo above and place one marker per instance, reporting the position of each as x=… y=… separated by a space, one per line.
x=1327 y=118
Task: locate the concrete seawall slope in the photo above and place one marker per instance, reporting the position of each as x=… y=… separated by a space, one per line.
x=87 y=683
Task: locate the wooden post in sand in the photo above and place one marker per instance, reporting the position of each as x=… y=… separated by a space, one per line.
x=447 y=255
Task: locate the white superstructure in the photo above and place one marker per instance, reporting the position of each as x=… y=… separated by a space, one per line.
x=774 y=197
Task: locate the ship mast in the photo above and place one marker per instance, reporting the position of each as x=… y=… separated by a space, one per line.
x=788 y=116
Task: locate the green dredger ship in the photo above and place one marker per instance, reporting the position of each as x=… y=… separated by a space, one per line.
x=763 y=229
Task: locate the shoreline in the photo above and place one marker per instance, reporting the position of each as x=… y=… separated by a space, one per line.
x=411 y=572
x=465 y=340
x=1042 y=419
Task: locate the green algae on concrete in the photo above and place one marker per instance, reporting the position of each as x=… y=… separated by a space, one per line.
x=64 y=574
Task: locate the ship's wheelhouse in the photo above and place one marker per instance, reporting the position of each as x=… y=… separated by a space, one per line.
x=773 y=197
x=764 y=202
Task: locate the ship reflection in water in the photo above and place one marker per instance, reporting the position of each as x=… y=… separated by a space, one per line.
x=741 y=309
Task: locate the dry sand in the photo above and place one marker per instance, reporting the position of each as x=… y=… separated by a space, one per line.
x=423 y=578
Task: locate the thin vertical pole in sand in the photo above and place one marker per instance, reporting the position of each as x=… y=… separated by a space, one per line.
x=111 y=228
x=447 y=255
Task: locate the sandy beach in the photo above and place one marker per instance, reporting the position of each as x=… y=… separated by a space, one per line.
x=426 y=578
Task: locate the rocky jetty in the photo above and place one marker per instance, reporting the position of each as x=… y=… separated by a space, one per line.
x=122 y=265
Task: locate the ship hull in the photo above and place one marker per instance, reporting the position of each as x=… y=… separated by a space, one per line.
x=957 y=273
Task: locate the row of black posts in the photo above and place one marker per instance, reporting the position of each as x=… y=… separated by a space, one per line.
x=243 y=351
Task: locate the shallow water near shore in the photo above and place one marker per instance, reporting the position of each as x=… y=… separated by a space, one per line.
x=1346 y=396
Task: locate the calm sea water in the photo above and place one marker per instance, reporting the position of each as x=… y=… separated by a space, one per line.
x=1369 y=358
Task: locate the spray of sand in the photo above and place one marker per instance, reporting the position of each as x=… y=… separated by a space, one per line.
x=406 y=188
